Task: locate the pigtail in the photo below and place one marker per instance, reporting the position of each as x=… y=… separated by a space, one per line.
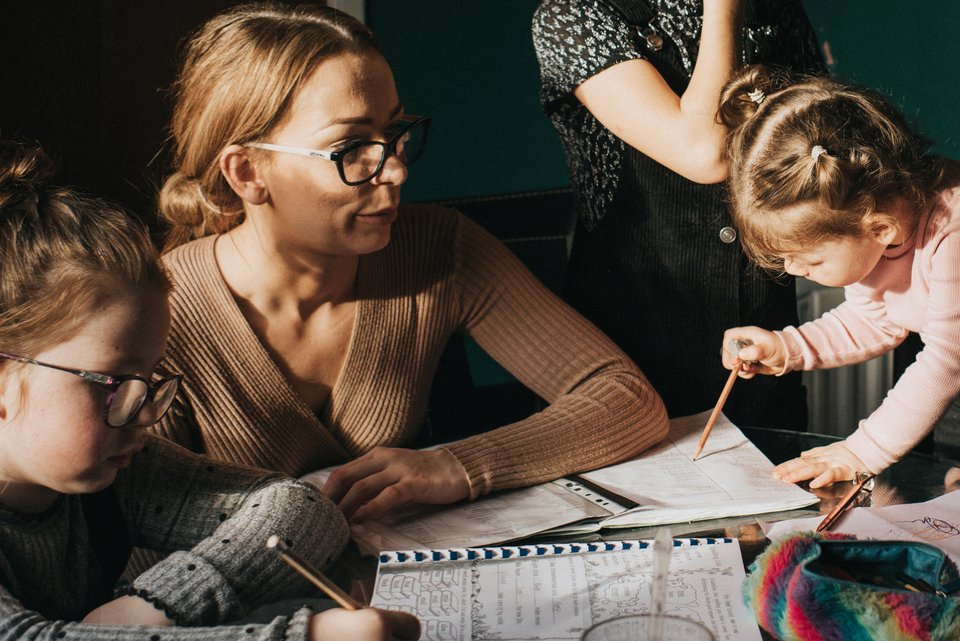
x=745 y=94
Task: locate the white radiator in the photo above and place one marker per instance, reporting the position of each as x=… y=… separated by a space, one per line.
x=838 y=398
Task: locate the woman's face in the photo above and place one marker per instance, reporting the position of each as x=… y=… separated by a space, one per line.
x=53 y=435
x=345 y=99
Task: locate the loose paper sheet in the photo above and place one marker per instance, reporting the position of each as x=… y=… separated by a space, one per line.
x=731 y=478
x=556 y=597
x=936 y=522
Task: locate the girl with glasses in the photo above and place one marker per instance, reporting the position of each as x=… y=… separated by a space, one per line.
x=85 y=317
x=312 y=307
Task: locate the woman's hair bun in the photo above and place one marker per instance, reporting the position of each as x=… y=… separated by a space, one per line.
x=24 y=171
x=745 y=94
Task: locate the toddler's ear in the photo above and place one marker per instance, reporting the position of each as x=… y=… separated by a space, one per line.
x=884 y=228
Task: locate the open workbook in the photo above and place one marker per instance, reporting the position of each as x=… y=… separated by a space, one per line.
x=555 y=592
x=663 y=485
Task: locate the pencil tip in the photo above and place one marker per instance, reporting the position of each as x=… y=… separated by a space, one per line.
x=273 y=541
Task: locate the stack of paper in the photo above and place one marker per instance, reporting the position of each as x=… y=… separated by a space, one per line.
x=664 y=485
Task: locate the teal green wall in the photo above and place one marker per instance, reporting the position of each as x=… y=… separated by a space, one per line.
x=908 y=50
x=471 y=66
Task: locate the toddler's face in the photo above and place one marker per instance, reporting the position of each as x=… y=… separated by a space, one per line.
x=836 y=262
x=53 y=433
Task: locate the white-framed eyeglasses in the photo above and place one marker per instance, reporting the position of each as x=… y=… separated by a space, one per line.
x=363 y=160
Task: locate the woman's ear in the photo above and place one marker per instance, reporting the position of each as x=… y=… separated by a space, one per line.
x=242 y=174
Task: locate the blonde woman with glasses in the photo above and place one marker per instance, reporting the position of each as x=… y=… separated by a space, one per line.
x=312 y=307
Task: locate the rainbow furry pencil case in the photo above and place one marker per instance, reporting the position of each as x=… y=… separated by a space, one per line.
x=833 y=587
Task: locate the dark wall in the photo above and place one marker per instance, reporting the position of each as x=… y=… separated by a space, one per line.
x=87 y=79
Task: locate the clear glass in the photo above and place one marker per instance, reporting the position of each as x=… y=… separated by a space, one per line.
x=636 y=627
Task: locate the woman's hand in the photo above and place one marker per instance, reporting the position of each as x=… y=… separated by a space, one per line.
x=128 y=610
x=387 y=477
x=825 y=465
x=366 y=624
x=764 y=356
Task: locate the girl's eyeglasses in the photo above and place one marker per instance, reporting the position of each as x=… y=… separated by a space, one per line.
x=362 y=161
x=128 y=393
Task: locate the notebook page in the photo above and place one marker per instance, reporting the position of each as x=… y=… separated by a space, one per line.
x=556 y=591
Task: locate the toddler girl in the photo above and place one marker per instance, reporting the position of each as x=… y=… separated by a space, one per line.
x=828 y=182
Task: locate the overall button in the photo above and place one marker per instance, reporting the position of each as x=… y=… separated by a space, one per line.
x=728 y=234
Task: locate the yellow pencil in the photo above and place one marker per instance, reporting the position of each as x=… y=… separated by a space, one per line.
x=716 y=410
x=329 y=588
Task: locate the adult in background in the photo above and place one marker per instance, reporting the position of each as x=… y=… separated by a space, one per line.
x=632 y=88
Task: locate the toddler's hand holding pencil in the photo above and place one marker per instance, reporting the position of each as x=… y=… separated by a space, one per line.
x=763 y=351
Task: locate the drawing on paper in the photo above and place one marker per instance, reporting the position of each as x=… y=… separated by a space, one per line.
x=930 y=528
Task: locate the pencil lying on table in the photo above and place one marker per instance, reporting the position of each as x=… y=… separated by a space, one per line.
x=716 y=410
x=845 y=503
x=328 y=587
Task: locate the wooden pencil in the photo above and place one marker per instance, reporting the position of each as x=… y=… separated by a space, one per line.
x=328 y=587
x=716 y=410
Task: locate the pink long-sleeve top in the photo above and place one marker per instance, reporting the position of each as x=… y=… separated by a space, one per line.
x=915 y=287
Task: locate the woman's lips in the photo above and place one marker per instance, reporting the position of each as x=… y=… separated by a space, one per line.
x=383 y=217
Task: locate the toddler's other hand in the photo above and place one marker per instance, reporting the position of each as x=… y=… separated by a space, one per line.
x=825 y=465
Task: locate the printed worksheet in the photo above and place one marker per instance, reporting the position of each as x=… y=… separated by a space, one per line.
x=730 y=478
x=555 y=592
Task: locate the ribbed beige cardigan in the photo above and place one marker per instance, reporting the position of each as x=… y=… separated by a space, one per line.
x=440 y=274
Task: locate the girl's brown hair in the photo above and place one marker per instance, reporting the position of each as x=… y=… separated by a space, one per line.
x=59 y=251
x=810 y=157
x=240 y=73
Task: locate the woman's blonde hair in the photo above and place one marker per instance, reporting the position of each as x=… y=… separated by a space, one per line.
x=240 y=73
x=59 y=251
x=811 y=157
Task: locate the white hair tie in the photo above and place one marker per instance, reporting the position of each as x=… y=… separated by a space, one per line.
x=757 y=96
x=816 y=152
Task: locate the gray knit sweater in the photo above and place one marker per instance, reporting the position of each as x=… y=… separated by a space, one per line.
x=212 y=518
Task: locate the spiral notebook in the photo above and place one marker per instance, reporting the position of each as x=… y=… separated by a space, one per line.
x=662 y=486
x=554 y=592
